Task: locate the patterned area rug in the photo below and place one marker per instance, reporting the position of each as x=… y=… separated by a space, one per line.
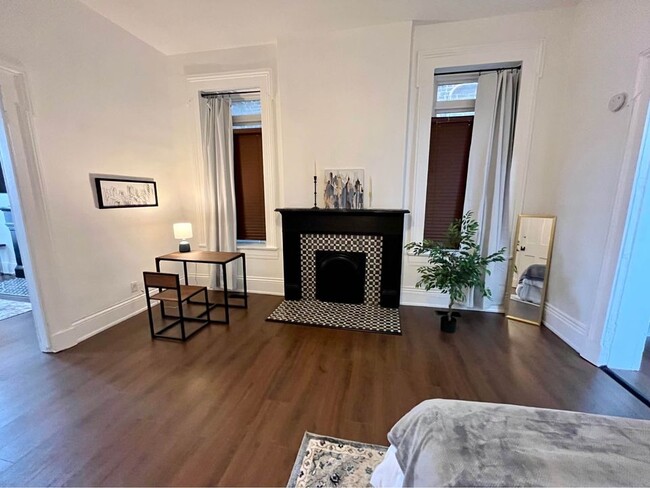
x=10 y=308
x=328 y=461
x=16 y=286
x=368 y=318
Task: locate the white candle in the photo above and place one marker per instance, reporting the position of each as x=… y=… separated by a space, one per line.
x=314 y=167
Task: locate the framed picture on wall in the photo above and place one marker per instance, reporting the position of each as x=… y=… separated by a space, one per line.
x=344 y=188
x=124 y=193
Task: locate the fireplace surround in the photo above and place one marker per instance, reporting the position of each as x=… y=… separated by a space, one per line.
x=339 y=237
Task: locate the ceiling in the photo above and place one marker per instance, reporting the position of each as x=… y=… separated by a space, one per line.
x=182 y=26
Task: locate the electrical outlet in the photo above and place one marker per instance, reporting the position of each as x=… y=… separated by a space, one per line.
x=134 y=287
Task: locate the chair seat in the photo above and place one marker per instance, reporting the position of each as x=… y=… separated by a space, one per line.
x=187 y=291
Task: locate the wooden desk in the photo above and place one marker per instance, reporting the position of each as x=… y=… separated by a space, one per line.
x=220 y=259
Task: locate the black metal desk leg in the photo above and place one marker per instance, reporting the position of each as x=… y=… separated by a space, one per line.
x=185 y=272
x=225 y=292
x=243 y=258
x=162 y=303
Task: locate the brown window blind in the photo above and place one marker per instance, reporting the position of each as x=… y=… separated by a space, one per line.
x=249 y=184
x=447 y=178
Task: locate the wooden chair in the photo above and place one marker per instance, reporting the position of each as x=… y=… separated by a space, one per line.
x=170 y=290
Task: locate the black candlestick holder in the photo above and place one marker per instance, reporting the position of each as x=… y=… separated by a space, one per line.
x=315 y=204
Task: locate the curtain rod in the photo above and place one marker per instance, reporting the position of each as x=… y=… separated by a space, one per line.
x=218 y=94
x=474 y=71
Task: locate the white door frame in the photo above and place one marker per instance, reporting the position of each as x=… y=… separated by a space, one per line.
x=601 y=335
x=25 y=188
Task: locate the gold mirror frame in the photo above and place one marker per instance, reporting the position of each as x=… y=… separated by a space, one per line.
x=511 y=268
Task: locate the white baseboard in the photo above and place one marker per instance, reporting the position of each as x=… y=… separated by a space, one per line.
x=570 y=330
x=422 y=298
x=418 y=297
x=93 y=324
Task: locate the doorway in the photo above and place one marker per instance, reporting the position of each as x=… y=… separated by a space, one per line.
x=629 y=316
x=22 y=208
x=14 y=293
x=624 y=343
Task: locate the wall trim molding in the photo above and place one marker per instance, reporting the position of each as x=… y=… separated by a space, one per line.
x=570 y=330
x=261 y=80
x=531 y=54
x=601 y=334
x=28 y=195
x=95 y=323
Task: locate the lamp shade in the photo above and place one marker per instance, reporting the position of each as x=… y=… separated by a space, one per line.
x=183 y=230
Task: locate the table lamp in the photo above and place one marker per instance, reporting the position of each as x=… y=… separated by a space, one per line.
x=183 y=231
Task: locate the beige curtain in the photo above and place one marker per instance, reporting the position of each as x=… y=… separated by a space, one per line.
x=489 y=194
x=219 y=182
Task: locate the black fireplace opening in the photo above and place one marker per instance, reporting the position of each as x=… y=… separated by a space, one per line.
x=340 y=276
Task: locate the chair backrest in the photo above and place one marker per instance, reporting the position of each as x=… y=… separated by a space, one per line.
x=161 y=280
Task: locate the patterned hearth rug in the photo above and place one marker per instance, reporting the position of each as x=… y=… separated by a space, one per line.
x=367 y=318
x=15 y=286
x=11 y=308
x=328 y=461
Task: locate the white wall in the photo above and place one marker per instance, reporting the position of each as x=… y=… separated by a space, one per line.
x=264 y=266
x=105 y=102
x=101 y=104
x=498 y=34
x=334 y=104
x=344 y=104
x=608 y=37
x=591 y=53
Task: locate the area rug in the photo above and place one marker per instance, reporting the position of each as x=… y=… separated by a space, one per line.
x=364 y=317
x=327 y=461
x=10 y=308
x=16 y=287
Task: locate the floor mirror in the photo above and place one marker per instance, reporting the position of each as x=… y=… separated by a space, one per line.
x=529 y=268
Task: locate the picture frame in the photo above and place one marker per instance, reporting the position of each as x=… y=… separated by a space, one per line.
x=125 y=193
x=344 y=189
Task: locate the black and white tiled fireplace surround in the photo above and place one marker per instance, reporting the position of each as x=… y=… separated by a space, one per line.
x=371 y=246
x=368 y=242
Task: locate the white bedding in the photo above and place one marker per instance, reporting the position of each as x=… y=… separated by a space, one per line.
x=530 y=291
x=388 y=474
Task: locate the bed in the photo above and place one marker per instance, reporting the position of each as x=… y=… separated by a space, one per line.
x=458 y=443
x=531 y=282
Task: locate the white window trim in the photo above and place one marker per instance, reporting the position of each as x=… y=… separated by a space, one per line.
x=243 y=80
x=530 y=55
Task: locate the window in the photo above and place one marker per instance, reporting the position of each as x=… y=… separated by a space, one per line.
x=452 y=122
x=249 y=169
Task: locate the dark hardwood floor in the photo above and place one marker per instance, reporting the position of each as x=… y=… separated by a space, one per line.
x=230 y=406
x=638 y=380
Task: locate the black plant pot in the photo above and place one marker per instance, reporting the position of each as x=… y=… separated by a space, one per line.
x=448 y=325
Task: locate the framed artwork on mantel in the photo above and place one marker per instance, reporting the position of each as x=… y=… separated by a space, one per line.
x=344 y=188
x=126 y=193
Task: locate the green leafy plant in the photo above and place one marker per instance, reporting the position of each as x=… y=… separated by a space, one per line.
x=455 y=266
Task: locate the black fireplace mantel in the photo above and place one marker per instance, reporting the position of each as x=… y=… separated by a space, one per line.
x=388 y=223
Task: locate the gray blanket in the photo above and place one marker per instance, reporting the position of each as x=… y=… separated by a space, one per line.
x=456 y=443
x=534 y=272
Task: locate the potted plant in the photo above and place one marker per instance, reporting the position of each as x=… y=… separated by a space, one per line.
x=455 y=266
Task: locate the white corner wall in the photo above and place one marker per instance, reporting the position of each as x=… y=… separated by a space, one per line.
x=591 y=53
x=334 y=103
x=101 y=104
x=105 y=102
x=548 y=28
x=607 y=38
